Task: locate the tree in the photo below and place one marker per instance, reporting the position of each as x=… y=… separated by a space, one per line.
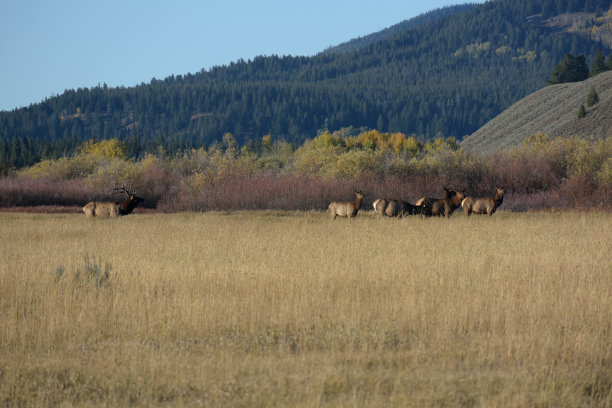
x=548 y=8
x=592 y=97
x=111 y=148
x=570 y=69
x=598 y=65
x=581 y=112
x=574 y=6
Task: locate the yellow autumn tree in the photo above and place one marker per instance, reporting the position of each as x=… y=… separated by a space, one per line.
x=111 y=148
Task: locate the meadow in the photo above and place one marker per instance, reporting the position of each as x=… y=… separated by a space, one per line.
x=290 y=308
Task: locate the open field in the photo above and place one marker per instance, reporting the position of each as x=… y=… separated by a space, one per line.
x=294 y=309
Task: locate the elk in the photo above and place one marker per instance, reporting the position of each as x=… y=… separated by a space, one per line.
x=399 y=208
x=112 y=208
x=346 y=209
x=443 y=206
x=483 y=205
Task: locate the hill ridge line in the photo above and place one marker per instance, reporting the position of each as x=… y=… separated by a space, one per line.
x=553 y=111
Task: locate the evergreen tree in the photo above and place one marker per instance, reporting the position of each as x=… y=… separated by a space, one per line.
x=570 y=69
x=581 y=112
x=548 y=8
x=574 y=6
x=592 y=97
x=598 y=65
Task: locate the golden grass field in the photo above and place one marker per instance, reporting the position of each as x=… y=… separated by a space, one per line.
x=294 y=309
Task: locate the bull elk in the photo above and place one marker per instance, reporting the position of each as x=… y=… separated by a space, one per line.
x=483 y=205
x=346 y=209
x=113 y=208
x=443 y=206
x=399 y=208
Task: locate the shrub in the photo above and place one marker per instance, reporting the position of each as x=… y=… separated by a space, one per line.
x=77 y=167
x=25 y=192
x=92 y=273
x=578 y=190
x=604 y=175
x=311 y=158
x=355 y=163
x=592 y=97
x=112 y=171
x=274 y=176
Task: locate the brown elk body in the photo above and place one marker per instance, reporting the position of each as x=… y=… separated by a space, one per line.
x=399 y=208
x=483 y=205
x=112 y=208
x=443 y=206
x=101 y=209
x=346 y=209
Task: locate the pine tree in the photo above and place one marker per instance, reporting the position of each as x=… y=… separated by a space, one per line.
x=570 y=69
x=592 y=97
x=581 y=112
x=598 y=65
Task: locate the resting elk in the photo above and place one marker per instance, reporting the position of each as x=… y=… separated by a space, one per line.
x=483 y=205
x=112 y=208
x=346 y=209
x=399 y=208
x=443 y=206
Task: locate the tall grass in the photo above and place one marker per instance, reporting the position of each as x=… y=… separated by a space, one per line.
x=294 y=309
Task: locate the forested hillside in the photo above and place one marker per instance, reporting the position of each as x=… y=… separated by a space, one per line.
x=423 y=19
x=445 y=77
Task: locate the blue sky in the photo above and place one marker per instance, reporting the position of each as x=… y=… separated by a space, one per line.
x=47 y=46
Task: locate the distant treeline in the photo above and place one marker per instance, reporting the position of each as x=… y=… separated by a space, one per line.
x=443 y=78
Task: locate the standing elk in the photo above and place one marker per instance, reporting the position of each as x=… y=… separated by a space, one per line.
x=443 y=206
x=112 y=208
x=346 y=209
x=399 y=208
x=483 y=205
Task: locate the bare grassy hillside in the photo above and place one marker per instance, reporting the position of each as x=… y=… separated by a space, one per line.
x=552 y=111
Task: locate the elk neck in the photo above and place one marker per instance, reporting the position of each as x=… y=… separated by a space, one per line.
x=499 y=198
x=357 y=203
x=455 y=199
x=127 y=206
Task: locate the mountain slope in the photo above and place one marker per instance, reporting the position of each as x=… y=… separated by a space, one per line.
x=552 y=111
x=444 y=78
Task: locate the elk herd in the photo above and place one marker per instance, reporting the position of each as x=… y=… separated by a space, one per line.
x=425 y=206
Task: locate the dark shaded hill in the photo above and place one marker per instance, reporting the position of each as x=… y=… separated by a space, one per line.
x=552 y=111
x=445 y=77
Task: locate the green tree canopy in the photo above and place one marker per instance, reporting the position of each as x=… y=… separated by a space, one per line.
x=592 y=97
x=570 y=69
x=599 y=64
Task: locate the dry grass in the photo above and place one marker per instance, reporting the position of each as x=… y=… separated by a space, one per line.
x=294 y=309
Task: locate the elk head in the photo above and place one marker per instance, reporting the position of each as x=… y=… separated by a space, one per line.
x=127 y=206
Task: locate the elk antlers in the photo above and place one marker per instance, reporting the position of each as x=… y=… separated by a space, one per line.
x=124 y=189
